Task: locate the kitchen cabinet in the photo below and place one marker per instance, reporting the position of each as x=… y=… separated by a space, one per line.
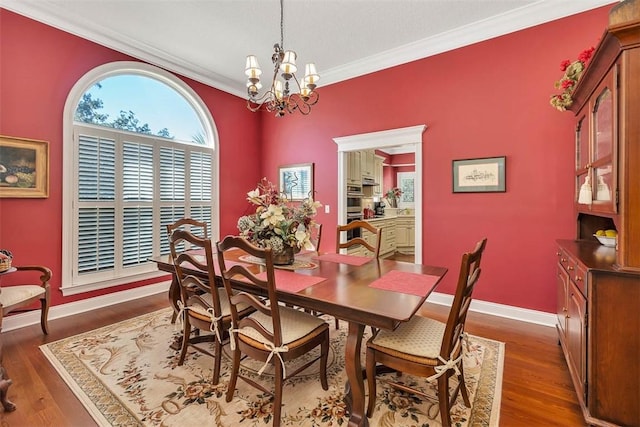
x=354 y=168
x=388 y=243
x=368 y=163
x=378 y=175
x=405 y=234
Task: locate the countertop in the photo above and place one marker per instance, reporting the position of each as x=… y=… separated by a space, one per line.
x=379 y=218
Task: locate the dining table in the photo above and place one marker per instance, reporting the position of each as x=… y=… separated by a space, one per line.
x=362 y=291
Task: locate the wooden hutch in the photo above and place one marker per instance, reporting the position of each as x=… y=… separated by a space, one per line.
x=598 y=286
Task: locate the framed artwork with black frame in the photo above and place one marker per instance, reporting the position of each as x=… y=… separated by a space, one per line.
x=296 y=181
x=481 y=175
x=24 y=168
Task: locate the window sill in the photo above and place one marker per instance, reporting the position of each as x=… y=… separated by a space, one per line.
x=88 y=287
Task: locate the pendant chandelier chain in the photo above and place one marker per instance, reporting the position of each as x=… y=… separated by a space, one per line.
x=286 y=94
x=282 y=24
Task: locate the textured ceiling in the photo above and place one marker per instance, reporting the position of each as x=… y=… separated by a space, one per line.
x=208 y=40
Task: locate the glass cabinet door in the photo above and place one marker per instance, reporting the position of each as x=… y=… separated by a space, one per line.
x=603 y=142
x=603 y=125
x=583 y=156
x=596 y=183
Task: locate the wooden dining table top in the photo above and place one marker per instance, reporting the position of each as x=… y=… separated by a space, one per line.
x=345 y=293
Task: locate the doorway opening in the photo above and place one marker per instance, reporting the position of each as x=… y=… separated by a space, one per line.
x=409 y=138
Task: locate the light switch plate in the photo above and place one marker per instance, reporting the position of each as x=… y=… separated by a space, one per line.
x=326 y=209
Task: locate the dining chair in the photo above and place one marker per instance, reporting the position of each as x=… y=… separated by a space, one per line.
x=316 y=235
x=203 y=305
x=374 y=247
x=23 y=295
x=189 y=224
x=196 y=227
x=428 y=348
x=274 y=333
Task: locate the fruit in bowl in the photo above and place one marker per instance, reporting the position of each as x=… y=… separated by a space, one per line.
x=606 y=240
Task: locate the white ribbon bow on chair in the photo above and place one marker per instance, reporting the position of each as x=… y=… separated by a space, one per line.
x=180 y=316
x=269 y=346
x=451 y=363
x=275 y=350
x=214 y=323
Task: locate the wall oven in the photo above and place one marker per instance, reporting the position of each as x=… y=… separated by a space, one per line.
x=354 y=199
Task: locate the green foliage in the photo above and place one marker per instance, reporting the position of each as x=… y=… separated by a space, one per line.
x=87 y=110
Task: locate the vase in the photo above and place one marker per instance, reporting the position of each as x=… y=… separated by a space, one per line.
x=285 y=257
x=392 y=203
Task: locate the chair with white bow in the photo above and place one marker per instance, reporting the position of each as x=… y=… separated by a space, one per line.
x=274 y=333
x=203 y=304
x=428 y=348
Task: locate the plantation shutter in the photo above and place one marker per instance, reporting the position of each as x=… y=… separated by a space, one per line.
x=129 y=187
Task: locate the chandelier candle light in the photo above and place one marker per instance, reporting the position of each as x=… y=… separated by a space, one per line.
x=286 y=95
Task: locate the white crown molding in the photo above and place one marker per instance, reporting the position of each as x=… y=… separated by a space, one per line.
x=537 y=13
x=47 y=13
x=381 y=139
x=518 y=19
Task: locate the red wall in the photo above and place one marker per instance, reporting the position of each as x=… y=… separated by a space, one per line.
x=40 y=65
x=488 y=99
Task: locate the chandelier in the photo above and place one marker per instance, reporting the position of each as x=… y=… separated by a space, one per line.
x=286 y=94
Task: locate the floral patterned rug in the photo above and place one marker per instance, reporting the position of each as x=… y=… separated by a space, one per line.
x=126 y=374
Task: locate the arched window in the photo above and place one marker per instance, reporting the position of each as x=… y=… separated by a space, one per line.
x=140 y=153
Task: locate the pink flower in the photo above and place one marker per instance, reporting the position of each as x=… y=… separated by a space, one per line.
x=564 y=64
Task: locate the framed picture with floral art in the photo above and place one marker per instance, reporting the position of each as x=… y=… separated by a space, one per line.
x=296 y=181
x=24 y=168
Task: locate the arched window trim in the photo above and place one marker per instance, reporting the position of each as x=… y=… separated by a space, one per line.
x=75 y=94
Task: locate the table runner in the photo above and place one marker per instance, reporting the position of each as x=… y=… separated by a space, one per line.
x=405 y=282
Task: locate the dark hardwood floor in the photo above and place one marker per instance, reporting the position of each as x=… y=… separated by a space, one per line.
x=536 y=390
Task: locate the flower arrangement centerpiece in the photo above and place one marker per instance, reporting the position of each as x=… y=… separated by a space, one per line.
x=278 y=223
x=572 y=72
x=392 y=195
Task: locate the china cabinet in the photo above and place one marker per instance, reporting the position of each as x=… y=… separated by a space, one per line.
x=598 y=287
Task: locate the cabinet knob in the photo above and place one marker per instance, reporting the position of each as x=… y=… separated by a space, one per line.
x=578 y=279
x=570 y=268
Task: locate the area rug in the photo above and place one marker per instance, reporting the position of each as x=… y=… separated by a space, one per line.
x=126 y=374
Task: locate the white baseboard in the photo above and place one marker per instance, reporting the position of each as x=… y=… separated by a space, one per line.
x=33 y=317
x=500 y=310
x=63 y=310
